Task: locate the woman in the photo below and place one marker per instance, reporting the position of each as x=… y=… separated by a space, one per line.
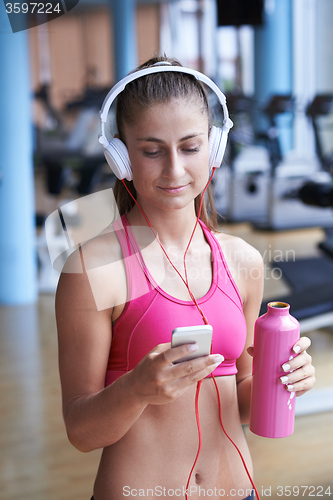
x=121 y=389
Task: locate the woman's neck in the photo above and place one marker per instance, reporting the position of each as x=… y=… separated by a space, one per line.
x=174 y=228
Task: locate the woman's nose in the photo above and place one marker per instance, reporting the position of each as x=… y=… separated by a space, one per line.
x=174 y=167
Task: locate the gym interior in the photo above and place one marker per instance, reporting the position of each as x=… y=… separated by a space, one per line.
x=273 y=61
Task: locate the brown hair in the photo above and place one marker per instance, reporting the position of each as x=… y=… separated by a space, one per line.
x=143 y=93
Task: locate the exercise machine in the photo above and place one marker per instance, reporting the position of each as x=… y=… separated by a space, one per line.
x=311 y=279
x=287 y=174
x=240 y=187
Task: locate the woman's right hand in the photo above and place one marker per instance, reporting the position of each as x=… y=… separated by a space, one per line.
x=156 y=380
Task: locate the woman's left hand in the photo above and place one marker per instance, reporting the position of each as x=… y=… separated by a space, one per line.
x=299 y=372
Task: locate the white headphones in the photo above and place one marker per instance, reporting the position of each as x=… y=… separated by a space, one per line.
x=115 y=151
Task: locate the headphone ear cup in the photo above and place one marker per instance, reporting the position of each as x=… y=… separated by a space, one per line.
x=217 y=144
x=116 y=155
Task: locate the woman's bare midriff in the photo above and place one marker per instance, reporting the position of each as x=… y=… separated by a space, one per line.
x=155 y=456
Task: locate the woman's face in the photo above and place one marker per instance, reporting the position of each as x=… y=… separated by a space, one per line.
x=169 y=153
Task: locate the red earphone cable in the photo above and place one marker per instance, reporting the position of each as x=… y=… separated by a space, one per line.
x=227 y=435
x=185 y=281
x=199 y=434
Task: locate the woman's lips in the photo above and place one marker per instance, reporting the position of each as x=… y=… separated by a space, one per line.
x=176 y=189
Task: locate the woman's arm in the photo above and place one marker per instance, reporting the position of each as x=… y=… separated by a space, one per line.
x=94 y=416
x=251 y=284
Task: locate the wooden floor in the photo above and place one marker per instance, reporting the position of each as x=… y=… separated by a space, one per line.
x=38 y=463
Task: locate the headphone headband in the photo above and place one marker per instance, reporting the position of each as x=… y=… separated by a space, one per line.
x=115 y=151
x=119 y=87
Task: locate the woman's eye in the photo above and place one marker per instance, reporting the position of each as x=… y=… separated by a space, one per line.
x=150 y=153
x=191 y=150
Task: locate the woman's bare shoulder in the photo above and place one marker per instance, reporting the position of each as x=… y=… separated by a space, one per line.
x=93 y=273
x=244 y=262
x=238 y=250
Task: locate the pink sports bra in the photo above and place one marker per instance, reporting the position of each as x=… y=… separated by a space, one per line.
x=149 y=318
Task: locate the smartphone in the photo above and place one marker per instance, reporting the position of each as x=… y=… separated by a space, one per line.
x=201 y=335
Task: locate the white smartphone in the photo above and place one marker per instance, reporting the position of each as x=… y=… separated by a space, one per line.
x=201 y=335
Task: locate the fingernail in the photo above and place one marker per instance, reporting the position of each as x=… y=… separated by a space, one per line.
x=290 y=387
x=296 y=349
x=218 y=359
x=286 y=367
x=284 y=380
x=192 y=347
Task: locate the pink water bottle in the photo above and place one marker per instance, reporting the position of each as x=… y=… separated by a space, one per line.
x=272 y=406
